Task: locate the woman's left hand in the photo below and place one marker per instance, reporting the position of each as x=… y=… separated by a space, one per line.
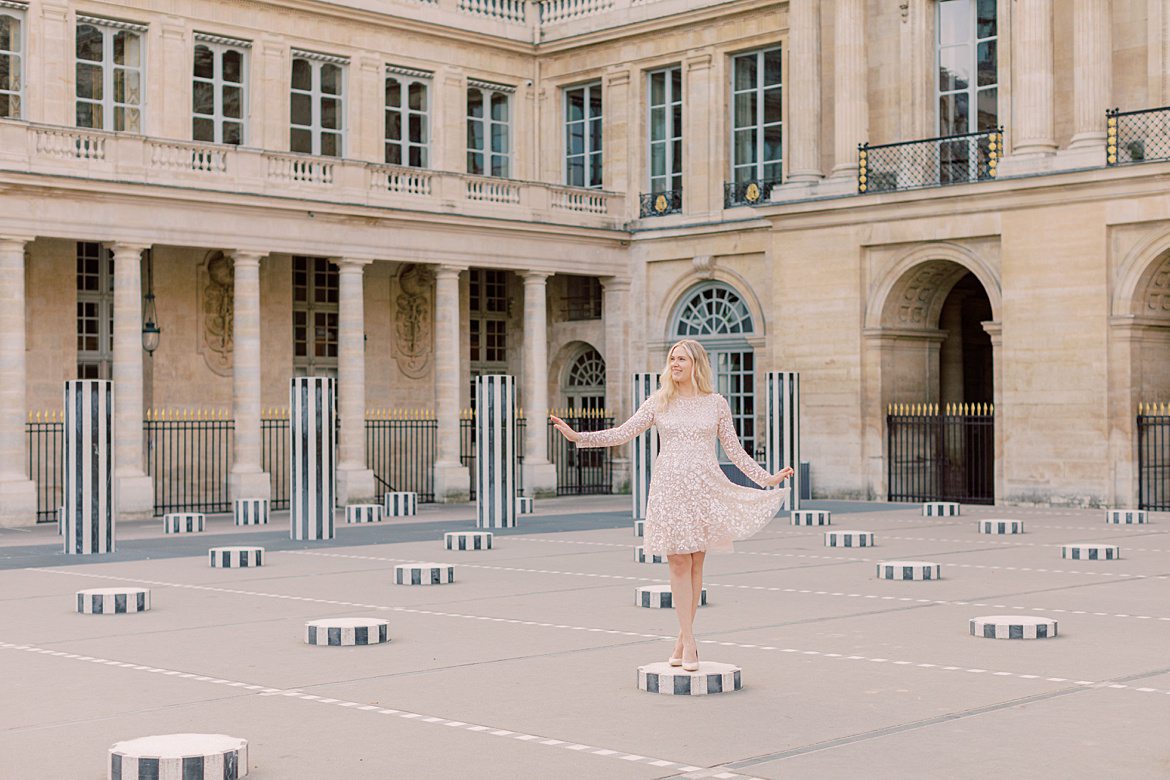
x=780 y=476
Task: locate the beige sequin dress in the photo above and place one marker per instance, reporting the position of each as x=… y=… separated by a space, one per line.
x=692 y=505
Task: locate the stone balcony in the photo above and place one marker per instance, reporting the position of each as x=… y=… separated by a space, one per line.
x=123 y=158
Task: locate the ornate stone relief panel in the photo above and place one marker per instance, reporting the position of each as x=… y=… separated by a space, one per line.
x=413 y=303
x=216 y=295
x=1157 y=298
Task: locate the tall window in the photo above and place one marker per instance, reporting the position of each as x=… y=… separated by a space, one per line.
x=968 y=72
x=717 y=317
x=583 y=136
x=489 y=129
x=317 y=110
x=315 y=313
x=11 y=62
x=487 y=304
x=407 y=118
x=109 y=75
x=666 y=127
x=219 y=93
x=755 y=114
x=95 y=311
x=585 y=383
x=583 y=297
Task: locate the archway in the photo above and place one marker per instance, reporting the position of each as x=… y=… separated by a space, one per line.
x=583 y=386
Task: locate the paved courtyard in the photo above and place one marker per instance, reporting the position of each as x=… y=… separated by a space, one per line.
x=525 y=666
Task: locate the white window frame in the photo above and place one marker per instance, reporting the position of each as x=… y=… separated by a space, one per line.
x=15 y=12
x=674 y=167
x=590 y=149
x=316 y=62
x=407 y=78
x=103 y=299
x=109 y=29
x=310 y=364
x=487 y=90
x=973 y=89
x=760 y=124
x=218 y=47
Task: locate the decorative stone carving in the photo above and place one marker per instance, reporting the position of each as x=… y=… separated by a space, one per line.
x=413 y=320
x=1158 y=292
x=216 y=288
x=919 y=292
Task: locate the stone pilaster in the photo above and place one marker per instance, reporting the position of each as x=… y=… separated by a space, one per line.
x=701 y=175
x=449 y=120
x=247 y=478
x=50 y=54
x=804 y=92
x=540 y=475
x=135 y=490
x=851 y=102
x=366 y=139
x=451 y=476
x=270 y=97
x=18 y=493
x=1092 y=74
x=170 y=91
x=616 y=119
x=355 y=481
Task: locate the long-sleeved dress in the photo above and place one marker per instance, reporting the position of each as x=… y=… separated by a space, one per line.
x=692 y=505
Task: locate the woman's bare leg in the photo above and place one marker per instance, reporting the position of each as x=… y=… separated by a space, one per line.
x=697 y=559
x=680 y=595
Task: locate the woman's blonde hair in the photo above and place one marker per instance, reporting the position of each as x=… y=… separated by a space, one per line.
x=700 y=372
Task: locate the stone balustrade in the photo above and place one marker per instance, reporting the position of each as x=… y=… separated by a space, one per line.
x=103 y=157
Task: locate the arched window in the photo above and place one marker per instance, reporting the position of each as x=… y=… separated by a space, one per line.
x=585 y=381
x=717 y=317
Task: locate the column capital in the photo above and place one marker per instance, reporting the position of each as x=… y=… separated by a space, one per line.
x=350 y=264
x=615 y=284
x=127 y=247
x=245 y=257
x=448 y=270
x=11 y=243
x=534 y=277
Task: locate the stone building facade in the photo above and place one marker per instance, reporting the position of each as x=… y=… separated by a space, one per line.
x=407 y=193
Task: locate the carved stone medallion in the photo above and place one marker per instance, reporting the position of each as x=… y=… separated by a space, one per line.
x=413 y=320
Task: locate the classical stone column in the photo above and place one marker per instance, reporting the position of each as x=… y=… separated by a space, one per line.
x=18 y=493
x=851 y=103
x=451 y=477
x=804 y=92
x=355 y=481
x=540 y=475
x=1033 y=124
x=1092 y=73
x=247 y=478
x=616 y=319
x=135 y=490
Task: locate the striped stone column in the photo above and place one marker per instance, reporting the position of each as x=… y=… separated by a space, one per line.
x=645 y=447
x=495 y=451
x=782 y=444
x=87 y=467
x=312 y=457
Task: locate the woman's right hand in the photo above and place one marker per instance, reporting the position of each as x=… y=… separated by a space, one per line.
x=564 y=428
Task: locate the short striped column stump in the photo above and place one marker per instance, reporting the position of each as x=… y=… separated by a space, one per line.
x=250 y=511
x=60 y=521
x=674 y=681
x=639 y=528
x=347 y=632
x=423 y=574
x=1013 y=627
x=236 y=557
x=524 y=505
x=848 y=538
x=113 y=601
x=940 y=509
x=1125 y=516
x=641 y=557
x=1090 y=552
x=468 y=540
x=186 y=756
x=363 y=513
x=1001 y=527
x=812 y=517
x=659 y=597
x=184 y=522
x=908 y=570
x=400 y=504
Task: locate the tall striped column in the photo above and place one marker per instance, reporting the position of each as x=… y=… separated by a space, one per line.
x=313 y=457
x=783 y=428
x=495 y=451
x=645 y=447
x=87 y=467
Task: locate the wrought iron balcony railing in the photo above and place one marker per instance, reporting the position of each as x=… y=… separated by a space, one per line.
x=659 y=204
x=747 y=193
x=931 y=162
x=1137 y=136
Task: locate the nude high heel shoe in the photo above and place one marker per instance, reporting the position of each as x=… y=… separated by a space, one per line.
x=691 y=666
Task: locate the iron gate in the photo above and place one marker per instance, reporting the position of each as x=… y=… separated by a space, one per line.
x=581 y=471
x=941 y=454
x=1153 y=424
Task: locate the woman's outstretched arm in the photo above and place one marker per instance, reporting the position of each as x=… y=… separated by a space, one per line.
x=739 y=456
x=611 y=437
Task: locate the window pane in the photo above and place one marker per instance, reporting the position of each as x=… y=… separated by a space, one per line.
x=595 y=134
x=745 y=72
x=576 y=172
x=233 y=133
x=89 y=115
x=499 y=165
x=233 y=66
x=772 y=68
x=676 y=160
x=676 y=85
x=657 y=124
x=745 y=109
x=474 y=103
x=301 y=112
x=500 y=107
x=127 y=119
x=204 y=63
x=203 y=129
x=418 y=128
x=772 y=171
x=575 y=139
x=595 y=103
x=986 y=63
x=574 y=105
x=126 y=87
x=658 y=159
x=954 y=70
x=89 y=43
x=988 y=109
x=394 y=154
x=417 y=96
x=89 y=81
x=331 y=144
x=595 y=172
x=772 y=142
x=475 y=163
x=127 y=47
x=393 y=126
x=202 y=98
x=417 y=157
x=954 y=21
x=772 y=105
x=331 y=79
x=657 y=88
x=745 y=146
x=393 y=93
x=302 y=75
x=985 y=22
x=233 y=102
x=301 y=141
x=331 y=113
x=500 y=138
x=474 y=134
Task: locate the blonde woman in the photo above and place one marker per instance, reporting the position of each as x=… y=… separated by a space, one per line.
x=692 y=507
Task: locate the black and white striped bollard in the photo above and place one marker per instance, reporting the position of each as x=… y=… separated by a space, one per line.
x=782 y=443
x=467 y=540
x=644 y=448
x=363 y=513
x=312 y=458
x=812 y=517
x=1001 y=527
x=424 y=574
x=1126 y=517
x=1013 y=627
x=908 y=570
x=495 y=451
x=347 y=632
x=250 y=511
x=400 y=504
x=1084 y=551
x=112 y=601
x=639 y=528
x=940 y=509
x=641 y=557
x=849 y=539
x=87 y=467
x=175 y=756
x=184 y=522
x=524 y=505
x=674 y=681
x=235 y=557
x=660 y=597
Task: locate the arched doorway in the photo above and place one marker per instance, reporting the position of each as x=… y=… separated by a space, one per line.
x=584 y=383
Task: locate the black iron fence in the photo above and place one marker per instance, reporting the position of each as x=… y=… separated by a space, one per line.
x=274 y=433
x=467 y=449
x=1137 y=136
x=189 y=457
x=747 y=193
x=401 y=449
x=581 y=471
x=941 y=454
x=931 y=162
x=659 y=204
x=1153 y=425
x=46 y=437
